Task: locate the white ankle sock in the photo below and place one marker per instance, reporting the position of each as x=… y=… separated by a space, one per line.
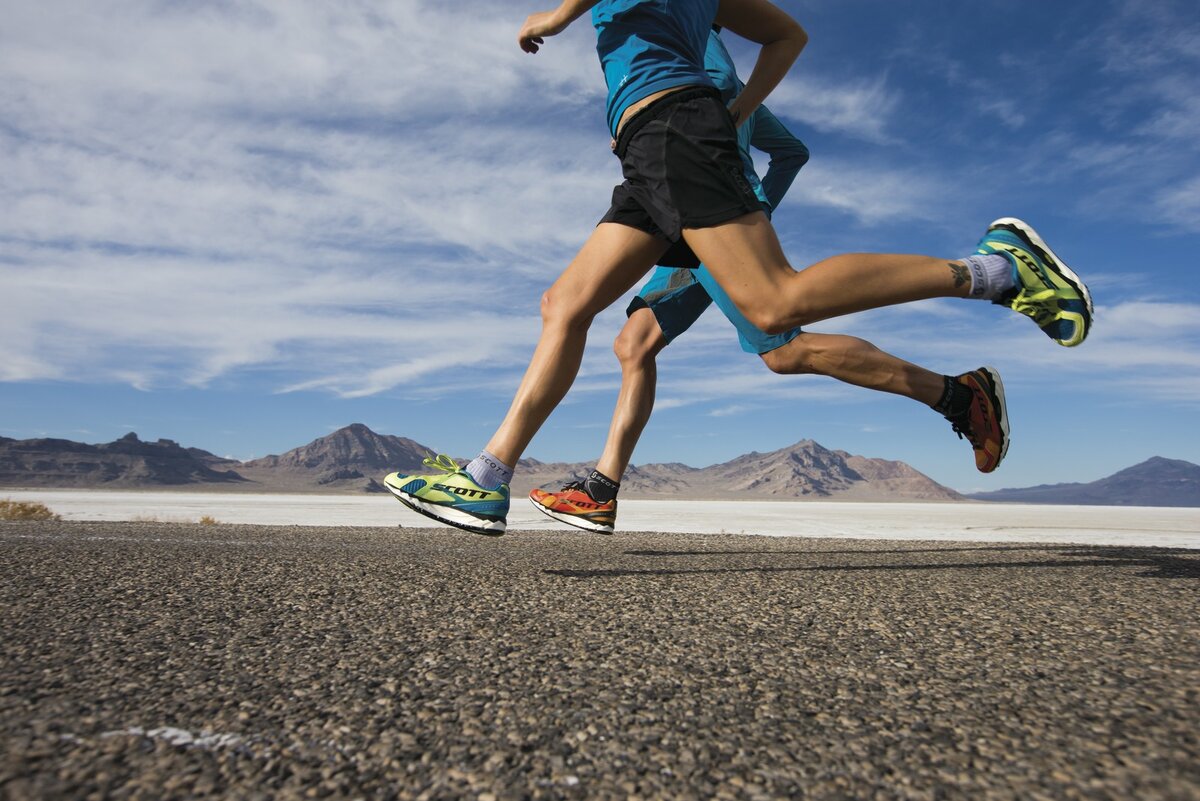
x=488 y=471
x=991 y=276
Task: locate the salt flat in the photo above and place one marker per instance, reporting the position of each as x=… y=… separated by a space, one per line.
x=977 y=522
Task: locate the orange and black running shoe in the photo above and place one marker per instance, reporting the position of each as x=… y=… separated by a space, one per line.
x=985 y=421
x=573 y=506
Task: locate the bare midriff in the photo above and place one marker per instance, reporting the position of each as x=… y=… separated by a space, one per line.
x=641 y=104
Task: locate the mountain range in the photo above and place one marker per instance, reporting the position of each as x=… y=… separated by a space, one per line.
x=1154 y=482
x=354 y=458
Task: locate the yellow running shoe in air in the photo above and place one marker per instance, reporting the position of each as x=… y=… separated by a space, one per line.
x=452 y=497
x=1046 y=289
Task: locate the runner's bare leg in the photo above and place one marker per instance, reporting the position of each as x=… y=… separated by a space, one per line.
x=745 y=258
x=858 y=362
x=637 y=346
x=610 y=262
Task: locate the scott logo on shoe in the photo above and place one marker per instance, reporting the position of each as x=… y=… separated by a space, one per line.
x=464 y=492
x=582 y=504
x=1031 y=264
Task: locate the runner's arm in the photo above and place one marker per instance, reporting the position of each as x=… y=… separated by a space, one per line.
x=781 y=38
x=549 y=23
x=788 y=154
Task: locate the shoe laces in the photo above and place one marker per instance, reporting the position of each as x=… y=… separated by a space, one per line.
x=962 y=427
x=442 y=462
x=577 y=486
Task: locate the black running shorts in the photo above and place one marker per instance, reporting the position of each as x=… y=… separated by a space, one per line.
x=682 y=170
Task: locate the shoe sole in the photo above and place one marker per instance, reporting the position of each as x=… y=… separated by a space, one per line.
x=999 y=402
x=1031 y=236
x=451 y=517
x=572 y=520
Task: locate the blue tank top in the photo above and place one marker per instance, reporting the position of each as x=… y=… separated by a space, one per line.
x=646 y=46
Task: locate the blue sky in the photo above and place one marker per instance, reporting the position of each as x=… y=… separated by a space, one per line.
x=242 y=225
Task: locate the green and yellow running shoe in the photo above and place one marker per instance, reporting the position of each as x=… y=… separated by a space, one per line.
x=1046 y=289
x=452 y=497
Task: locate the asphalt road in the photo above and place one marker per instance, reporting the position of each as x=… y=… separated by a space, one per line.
x=177 y=661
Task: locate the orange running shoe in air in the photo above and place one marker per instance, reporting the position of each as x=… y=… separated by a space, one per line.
x=985 y=421
x=573 y=506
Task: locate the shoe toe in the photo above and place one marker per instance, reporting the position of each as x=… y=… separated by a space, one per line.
x=1066 y=331
x=1061 y=331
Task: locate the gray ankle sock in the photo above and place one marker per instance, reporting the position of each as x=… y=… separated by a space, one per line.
x=991 y=276
x=488 y=471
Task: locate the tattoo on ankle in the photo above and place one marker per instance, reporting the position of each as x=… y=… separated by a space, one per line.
x=961 y=274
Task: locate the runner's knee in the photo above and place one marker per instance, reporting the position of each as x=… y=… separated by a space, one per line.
x=637 y=343
x=628 y=348
x=771 y=316
x=780 y=310
x=777 y=361
x=793 y=358
x=561 y=311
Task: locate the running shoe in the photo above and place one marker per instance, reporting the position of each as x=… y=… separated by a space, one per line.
x=573 y=506
x=1046 y=289
x=452 y=497
x=985 y=422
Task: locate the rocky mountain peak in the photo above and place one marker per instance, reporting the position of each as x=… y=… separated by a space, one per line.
x=352 y=448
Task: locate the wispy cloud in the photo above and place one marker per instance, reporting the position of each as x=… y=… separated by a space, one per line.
x=192 y=191
x=862 y=109
x=279 y=185
x=365 y=200
x=872 y=192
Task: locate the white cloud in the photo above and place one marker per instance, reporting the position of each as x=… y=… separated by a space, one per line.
x=728 y=411
x=1180 y=203
x=871 y=192
x=862 y=109
x=194 y=190
x=316 y=191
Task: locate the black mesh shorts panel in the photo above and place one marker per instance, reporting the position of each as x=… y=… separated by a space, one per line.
x=682 y=170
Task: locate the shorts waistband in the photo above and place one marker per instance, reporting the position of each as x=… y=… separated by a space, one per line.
x=645 y=115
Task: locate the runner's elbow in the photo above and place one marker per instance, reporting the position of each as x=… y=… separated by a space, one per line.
x=798 y=36
x=792 y=157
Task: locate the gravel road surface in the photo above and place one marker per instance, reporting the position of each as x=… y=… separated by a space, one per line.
x=161 y=661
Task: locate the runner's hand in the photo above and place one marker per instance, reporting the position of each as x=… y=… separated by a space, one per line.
x=537 y=27
x=736 y=114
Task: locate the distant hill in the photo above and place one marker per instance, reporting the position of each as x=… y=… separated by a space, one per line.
x=354 y=458
x=804 y=471
x=127 y=462
x=1154 y=482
